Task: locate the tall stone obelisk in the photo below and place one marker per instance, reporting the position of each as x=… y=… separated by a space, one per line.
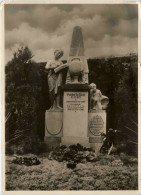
x=75 y=103
x=77 y=50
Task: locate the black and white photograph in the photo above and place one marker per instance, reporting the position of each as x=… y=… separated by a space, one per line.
x=71 y=97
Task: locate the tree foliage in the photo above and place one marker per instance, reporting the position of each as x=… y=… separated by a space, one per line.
x=26 y=98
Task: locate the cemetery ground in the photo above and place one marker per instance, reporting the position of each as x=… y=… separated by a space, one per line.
x=102 y=172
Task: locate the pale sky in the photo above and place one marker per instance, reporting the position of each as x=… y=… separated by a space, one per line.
x=107 y=29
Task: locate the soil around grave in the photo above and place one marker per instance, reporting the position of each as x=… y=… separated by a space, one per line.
x=109 y=172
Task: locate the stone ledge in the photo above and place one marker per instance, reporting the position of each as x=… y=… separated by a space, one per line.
x=97 y=111
x=69 y=140
x=76 y=87
x=96 y=139
x=52 y=142
x=57 y=110
x=96 y=147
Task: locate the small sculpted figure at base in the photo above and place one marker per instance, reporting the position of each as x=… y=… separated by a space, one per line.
x=55 y=79
x=97 y=100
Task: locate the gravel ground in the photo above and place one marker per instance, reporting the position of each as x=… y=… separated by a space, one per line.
x=107 y=173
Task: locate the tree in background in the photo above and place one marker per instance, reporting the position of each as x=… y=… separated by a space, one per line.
x=26 y=97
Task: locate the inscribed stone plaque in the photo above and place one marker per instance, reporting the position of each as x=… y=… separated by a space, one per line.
x=97 y=122
x=75 y=118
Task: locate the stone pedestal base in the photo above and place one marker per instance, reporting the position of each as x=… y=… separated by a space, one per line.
x=53 y=123
x=96 y=147
x=75 y=140
x=96 y=126
x=97 y=122
x=75 y=115
x=53 y=128
x=52 y=142
x=96 y=143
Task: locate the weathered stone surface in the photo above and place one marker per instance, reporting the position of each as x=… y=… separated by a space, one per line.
x=97 y=122
x=96 y=147
x=96 y=126
x=77 y=51
x=69 y=140
x=97 y=100
x=77 y=45
x=76 y=87
x=55 y=79
x=75 y=118
x=52 y=142
x=53 y=123
x=96 y=139
x=53 y=128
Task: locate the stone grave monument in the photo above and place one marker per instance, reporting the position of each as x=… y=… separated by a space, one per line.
x=83 y=117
